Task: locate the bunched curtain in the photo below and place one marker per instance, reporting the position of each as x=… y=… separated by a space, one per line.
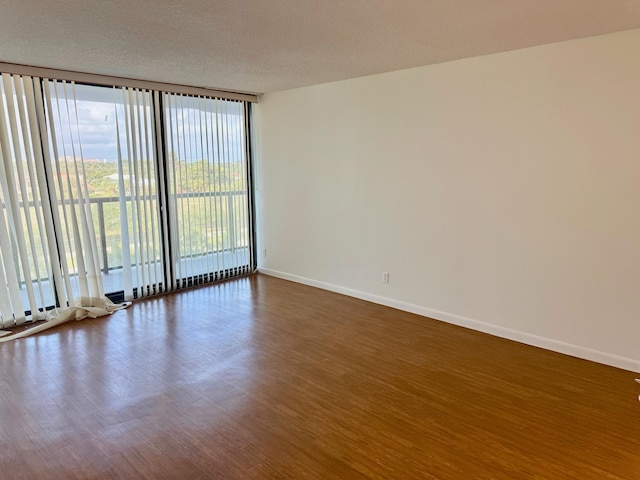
x=48 y=250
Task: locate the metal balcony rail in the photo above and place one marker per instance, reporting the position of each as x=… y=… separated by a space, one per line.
x=228 y=224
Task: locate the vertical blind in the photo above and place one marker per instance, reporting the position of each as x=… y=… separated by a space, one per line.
x=48 y=247
x=139 y=208
x=24 y=233
x=70 y=203
x=166 y=206
x=207 y=188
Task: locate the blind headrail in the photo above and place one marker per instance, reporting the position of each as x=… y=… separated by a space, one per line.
x=110 y=81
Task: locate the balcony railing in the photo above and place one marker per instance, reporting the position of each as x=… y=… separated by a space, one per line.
x=107 y=216
x=229 y=224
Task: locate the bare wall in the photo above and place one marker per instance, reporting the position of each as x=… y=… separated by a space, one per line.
x=500 y=192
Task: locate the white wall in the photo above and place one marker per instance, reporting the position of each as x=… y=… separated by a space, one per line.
x=500 y=192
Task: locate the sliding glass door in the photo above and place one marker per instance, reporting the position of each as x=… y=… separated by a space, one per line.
x=208 y=188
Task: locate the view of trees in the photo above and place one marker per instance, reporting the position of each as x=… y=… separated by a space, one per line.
x=189 y=177
x=211 y=216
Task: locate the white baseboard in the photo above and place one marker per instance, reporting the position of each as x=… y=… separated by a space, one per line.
x=508 y=333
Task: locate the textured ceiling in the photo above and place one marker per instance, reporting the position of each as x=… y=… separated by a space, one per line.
x=262 y=46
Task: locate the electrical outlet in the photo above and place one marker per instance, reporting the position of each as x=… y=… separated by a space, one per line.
x=385 y=277
x=264 y=252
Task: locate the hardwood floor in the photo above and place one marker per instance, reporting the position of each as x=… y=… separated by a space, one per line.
x=259 y=378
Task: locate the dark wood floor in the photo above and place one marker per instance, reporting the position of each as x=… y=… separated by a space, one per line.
x=260 y=378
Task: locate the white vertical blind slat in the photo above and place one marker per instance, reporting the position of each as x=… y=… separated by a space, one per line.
x=215 y=124
x=137 y=194
x=127 y=280
x=223 y=228
x=234 y=203
x=143 y=231
x=72 y=228
x=174 y=240
x=212 y=199
x=205 y=174
x=201 y=201
x=187 y=140
x=7 y=318
x=26 y=194
x=8 y=275
x=132 y=162
x=179 y=230
x=243 y=185
x=65 y=295
x=169 y=278
x=51 y=217
x=149 y=207
x=89 y=242
x=12 y=306
x=229 y=216
x=76 y=224
x=13 y=193
x=31 y=138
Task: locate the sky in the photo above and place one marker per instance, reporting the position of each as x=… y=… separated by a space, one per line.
x=100 y=110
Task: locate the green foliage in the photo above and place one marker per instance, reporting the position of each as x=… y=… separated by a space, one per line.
x=214 y=220
x=205 y=176
x=98 y=175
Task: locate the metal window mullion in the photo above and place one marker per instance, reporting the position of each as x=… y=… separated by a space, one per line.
x=251 y=207
x=162 y=179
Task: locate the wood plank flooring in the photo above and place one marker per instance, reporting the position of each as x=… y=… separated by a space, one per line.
x=259 y=378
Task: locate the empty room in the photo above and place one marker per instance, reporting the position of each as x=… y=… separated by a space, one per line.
x=363 y=239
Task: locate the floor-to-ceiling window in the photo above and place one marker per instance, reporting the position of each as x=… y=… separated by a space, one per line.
x=155 y=186
x=207 y=184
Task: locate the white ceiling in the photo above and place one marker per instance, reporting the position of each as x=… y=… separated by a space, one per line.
x=262 y=46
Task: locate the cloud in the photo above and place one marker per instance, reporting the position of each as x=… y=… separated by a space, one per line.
x=199 y=129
